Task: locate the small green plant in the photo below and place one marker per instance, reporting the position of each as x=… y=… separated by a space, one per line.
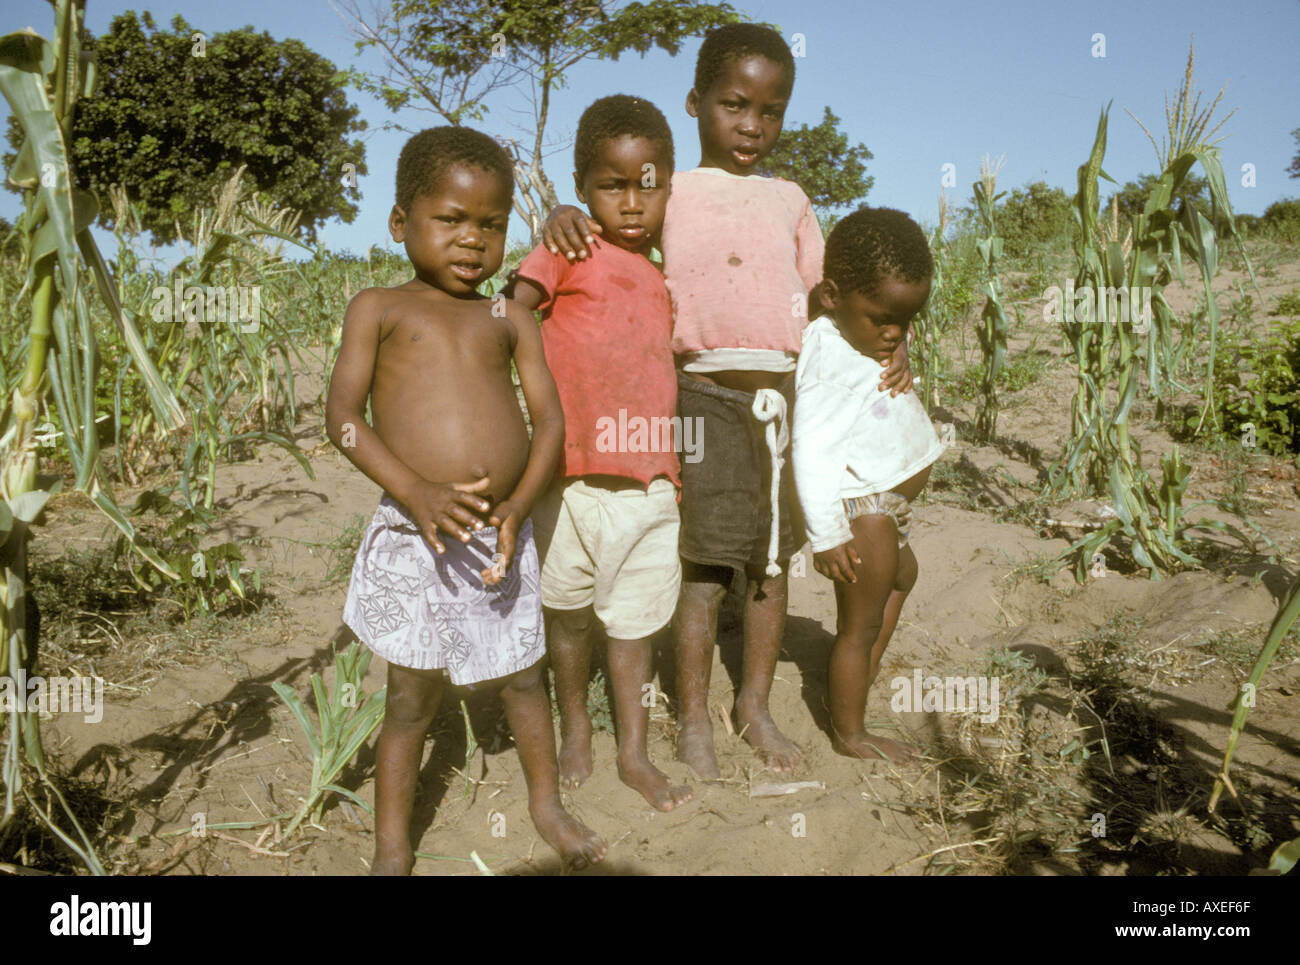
x=210 y=579
x=598 y=703
x=1021 y=371
x=1256 y=387
x=347 y=719
x=343 y=548
x=1288 y=304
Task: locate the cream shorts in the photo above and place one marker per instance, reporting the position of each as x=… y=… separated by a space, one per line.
x=613 y=550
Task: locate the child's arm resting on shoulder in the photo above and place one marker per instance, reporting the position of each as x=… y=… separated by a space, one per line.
x=534 y=283
x=446 y=506
x=824 y=415
x=547 y=444
x=897 y=376
x=568 y=231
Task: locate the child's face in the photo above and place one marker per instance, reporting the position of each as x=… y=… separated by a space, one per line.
x=741 y=114
x=455 y=235
x=875 y=324
x=626 y=189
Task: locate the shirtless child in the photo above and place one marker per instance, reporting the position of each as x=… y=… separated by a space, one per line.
x=446 y=579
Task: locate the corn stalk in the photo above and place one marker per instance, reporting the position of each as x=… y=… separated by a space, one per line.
x=215 y=324
x=931 y=321
x=994 y=326
x=346 y=721
x=1105 y=331
x=42 y=80
x=1286 y=855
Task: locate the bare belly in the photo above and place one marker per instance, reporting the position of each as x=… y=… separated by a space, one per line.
x=460 y=436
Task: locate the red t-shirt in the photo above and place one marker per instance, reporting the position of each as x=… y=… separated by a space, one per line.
x=607 y=331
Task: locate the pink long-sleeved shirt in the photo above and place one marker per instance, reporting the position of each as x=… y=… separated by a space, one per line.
x=740 y=256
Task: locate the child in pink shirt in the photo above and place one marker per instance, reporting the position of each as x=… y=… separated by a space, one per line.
x=740 y=255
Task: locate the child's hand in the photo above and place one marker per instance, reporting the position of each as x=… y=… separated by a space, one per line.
x=897 y=376
x=569 y=230
x=447 y=507
x=507 y=518
x=837 y=564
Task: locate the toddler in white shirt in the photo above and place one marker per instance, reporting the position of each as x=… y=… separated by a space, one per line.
x=861 y=456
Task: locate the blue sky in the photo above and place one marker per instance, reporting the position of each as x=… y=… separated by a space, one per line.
x=922 y=84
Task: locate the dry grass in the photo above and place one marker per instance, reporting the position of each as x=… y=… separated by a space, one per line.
x=1078 y=775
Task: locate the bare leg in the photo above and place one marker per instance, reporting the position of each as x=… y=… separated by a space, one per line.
x=765 y=606
x=703 y=589
x=867 y=616
x=568 y=641
x=629 y=670
x=413 y=698
x=529 y=714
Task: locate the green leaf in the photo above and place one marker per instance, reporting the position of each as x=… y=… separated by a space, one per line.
x=350 y=796
x=1285 y=857
x=323 y=709
x=294 y=703
x=111 y=510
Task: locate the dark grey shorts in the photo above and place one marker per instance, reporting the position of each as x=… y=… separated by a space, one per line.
x=726 y=496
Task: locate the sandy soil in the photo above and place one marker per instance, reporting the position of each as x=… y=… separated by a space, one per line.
x=209 y=735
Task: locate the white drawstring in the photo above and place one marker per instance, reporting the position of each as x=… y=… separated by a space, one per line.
x=769 y=409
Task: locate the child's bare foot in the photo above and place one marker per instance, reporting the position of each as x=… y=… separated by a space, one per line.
x=641 y=775
x=870 y=747
x=392 y=861
x=577 y=845
x=575 y=755
x=761 y=733
x=695 y=747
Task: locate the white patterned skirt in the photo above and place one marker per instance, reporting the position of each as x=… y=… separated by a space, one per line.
x=424 y=611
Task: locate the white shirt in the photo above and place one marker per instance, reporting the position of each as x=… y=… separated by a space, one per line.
x=850 y=438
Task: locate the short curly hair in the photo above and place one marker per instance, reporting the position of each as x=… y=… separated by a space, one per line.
x=870 y=245
x=428 y=155
x=734 y=41
x=616 y=116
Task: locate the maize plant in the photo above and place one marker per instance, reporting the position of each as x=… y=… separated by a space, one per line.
x=1115 y=300
x=994 y=326
x=347 y=718
x=42 y=80
x=1287 y=854
x=214 y=326
x=929 y=323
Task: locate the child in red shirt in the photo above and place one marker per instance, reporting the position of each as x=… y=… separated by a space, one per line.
x=609 y=526
x=737 y=361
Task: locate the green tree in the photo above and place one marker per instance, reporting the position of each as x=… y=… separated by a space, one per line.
x=1281 y=220
x=1133 y=196
x=456 y=58
x=1033 y=216
x=820 y=161
x=174 y=115
x=1294 y=169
